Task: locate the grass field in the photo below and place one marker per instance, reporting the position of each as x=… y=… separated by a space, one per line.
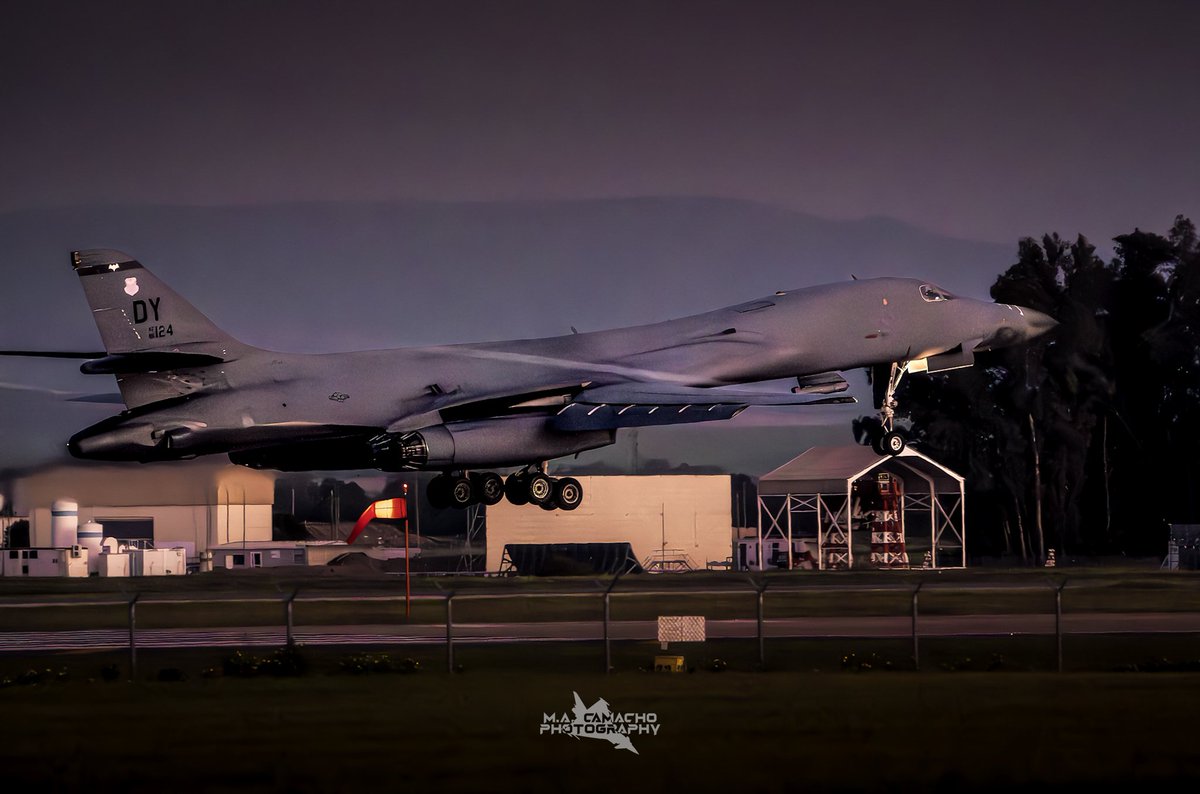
x=823 y=715
x=731 y=731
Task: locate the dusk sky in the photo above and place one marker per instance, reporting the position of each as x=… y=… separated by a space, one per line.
x=911 y=138
x=983 y=121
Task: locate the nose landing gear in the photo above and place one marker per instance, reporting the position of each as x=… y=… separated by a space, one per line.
x=888 y=440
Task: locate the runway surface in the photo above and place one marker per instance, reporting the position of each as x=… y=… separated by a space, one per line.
x=578 y=631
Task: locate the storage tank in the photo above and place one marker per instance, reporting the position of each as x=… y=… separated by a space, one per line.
x=90 y=536
x=64 y=524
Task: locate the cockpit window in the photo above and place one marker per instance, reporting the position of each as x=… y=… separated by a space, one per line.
x=931 y=293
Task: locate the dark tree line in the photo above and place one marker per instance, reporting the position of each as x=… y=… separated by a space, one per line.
x=1085 y=440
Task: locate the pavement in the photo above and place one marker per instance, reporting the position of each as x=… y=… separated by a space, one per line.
x=580 y=631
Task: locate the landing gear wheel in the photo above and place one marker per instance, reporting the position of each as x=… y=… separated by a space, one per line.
x=489 y=487
x=568 y=493
x=438 y=492
x=539 y=488
x=515 y=490
x=891 y=443
x=461 y=493
x=549 y=506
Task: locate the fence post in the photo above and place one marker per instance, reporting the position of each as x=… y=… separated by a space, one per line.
x=762 y=646
x=291 y=640
x=915 y=641
x=133 y=637
x=607 y=618
x=1058 y=634
x=607 y=645
x=449 y=633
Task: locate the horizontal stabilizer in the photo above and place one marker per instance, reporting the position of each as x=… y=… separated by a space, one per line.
x=157 y=361
x=52 y=353
x=65 y=396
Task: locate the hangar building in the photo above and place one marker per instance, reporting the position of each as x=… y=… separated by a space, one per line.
x=671 y=522
x=849 y=506
x=191 y=504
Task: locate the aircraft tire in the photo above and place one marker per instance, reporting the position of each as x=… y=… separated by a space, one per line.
x=515 y=490
x=568 y=493
x=892 y=443
x=489 y=487
x=461 y=492
x=539 y=489
x=438 y=492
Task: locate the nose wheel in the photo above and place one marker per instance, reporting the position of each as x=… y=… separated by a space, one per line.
x=888 y=440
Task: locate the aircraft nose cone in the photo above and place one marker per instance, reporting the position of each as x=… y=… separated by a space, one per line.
x=1037 y=322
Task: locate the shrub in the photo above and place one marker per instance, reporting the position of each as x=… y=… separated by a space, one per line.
x=364 y=663
x=286 y=661
x=866 y=664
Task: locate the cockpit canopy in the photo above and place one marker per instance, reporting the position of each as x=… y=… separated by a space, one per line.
x=932 y=293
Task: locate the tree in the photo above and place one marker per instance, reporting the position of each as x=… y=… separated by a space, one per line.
x=18 y=534
x=1086 y=433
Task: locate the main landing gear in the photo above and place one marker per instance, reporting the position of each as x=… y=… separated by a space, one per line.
x=530 y=485
x=888 y=440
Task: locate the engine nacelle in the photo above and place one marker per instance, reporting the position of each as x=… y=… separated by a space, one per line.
x=508 y=441
x=108 y=440
x=411 y=451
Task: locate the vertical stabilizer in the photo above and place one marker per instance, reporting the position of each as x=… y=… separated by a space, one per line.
x=136 y=312
x=158 y=345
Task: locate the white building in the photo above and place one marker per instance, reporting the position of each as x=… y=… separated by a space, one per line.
x=672 y=522
x=44 y=562
x=273 y=554
x=190 y=504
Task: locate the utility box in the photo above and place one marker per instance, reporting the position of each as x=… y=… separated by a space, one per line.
x=668 y=664
x=114 y=563
x=157 y=562
x=70 y=561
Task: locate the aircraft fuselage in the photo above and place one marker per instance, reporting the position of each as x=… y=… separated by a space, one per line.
x=256 y=399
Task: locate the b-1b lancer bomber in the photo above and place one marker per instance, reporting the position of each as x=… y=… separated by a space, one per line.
x=191 y=389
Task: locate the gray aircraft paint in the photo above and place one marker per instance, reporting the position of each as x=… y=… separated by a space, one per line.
x=191 y=389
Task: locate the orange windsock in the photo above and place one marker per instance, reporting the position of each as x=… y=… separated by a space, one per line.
x=384 y=510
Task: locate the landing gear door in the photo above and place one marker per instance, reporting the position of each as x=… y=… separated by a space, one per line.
x=959 y=357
